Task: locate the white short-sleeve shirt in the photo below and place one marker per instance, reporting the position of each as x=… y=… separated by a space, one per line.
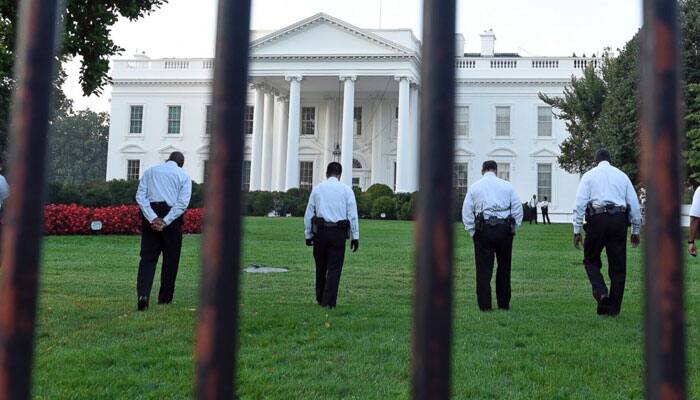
x=695 y=207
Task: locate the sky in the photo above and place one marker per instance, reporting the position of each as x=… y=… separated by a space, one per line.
x=186 y=28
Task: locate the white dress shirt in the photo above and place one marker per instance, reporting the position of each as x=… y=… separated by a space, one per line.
x=165 y=182
x=543 y=204
x=332 y=201
x=606 y=185
x=695 y=206
x=532 y=203
x=492 y=196
x=4 y=190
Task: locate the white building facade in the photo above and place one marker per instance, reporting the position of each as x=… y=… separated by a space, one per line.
x=323 y=90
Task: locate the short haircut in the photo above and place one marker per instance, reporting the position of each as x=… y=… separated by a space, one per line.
x=489 y=165
x=334 y=169
x=178 y=157
x=602 y=155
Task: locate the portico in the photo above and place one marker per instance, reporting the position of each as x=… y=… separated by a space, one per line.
x=339 y=103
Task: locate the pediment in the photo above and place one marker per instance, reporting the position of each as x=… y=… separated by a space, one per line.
x=324 y=35
x=502 y=152
x=463 y=153
x=133 y=149
x=544 y=153
x=168 y=149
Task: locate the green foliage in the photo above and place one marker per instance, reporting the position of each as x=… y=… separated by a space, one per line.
x=693 y=124
x=580 y=108
x=405 y=205
x=78 y=146
x=261 y=203
x=364 y=205
x=384 y=205
x=378 y=190
x=690 y=11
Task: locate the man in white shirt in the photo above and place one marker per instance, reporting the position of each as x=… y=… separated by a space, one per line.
x=331 y=217
x=544 y=206
x=608 y=200
x=694 y=223
x=491 y=213
x=163 y=195
x=532 y=205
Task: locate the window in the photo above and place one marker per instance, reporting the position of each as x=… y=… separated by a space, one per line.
x=394 y=176
x=357 y=121
x=133 y=170
x=205 y=171
x=502 y=121
x=544 y=181
x=308 y=120
x=136 y=120
x=246 y=176
x=395 y=122
x=355 y=182
x=174 y=119
x=503 y=171
x=356 y=164
x=461 y=179
x=209 y=122
x=306 y=175
x=248 y=123
x=462 y=121
x=544 y=121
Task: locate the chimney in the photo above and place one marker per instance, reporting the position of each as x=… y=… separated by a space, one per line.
x=459 y=42
x=141 y=55
x=488 y=43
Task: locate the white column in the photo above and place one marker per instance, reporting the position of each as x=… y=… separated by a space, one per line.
x=403 y=141
x=380 y=129
x=329 y=134
x=414 y=146
x=292 y=171
x=346 y=146
x=256 y=156
x=268 y=133
x=280 y=154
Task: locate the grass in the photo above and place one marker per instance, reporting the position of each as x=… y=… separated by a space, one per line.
x=92 y=344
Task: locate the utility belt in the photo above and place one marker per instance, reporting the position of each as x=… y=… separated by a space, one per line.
x=607 y=209
x=318 y=224
x=481 y=222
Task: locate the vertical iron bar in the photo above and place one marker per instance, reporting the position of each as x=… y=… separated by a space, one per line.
x=21 y=243
x=660 y=137
x=434 y=218
x=217 y=337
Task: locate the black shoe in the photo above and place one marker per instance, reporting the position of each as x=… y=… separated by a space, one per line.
x=506 y=308
x=142 y=304
x=164 y=302
x=603 y=305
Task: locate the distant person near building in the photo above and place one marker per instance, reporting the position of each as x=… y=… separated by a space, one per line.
x=544 y=206
x=330 y=219
x=532 y=205
x=694 y=223
x=163 y=195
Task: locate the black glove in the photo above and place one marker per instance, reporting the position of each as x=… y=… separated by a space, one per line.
x=354 y=245
x=309 y=242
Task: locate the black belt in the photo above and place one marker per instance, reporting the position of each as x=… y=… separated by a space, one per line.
x=340 y=224
x=611 y=210
x=496 y=221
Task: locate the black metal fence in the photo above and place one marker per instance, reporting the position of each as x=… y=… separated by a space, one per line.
x=218 y=326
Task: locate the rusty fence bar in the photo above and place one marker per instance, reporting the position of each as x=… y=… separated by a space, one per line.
x=434 y=218
x=218 y=319
x=660 y=137
x=35 y=68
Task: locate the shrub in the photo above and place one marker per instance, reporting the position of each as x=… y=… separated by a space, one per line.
x=364 y=205
x=379 y=190
x=261 y=203
x=384 y=205
x=405 y=205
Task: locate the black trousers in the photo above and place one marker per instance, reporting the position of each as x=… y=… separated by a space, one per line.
x=489 y=243
x=329 y=254
x=607 y=232
x=533 y=214
x=545 y=215
x=153 y=243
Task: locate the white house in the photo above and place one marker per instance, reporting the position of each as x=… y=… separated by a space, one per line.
x=324 y=90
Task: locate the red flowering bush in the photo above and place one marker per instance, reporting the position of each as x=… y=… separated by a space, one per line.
x=61 y=219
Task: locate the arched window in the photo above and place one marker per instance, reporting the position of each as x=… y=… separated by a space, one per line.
x=356 y=164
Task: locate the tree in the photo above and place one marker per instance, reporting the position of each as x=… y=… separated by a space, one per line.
x=690 y=23
x=86 y=35
x=580 y=108
x=693 y=124
x=78 y=146
x=619 y=120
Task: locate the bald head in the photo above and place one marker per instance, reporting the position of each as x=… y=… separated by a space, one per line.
x=178 y=158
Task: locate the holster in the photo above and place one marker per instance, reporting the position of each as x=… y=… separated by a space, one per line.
x=316 y=224
x=511 y=223
x=479 y=222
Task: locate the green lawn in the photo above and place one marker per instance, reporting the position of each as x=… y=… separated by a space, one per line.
x=92 y=344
